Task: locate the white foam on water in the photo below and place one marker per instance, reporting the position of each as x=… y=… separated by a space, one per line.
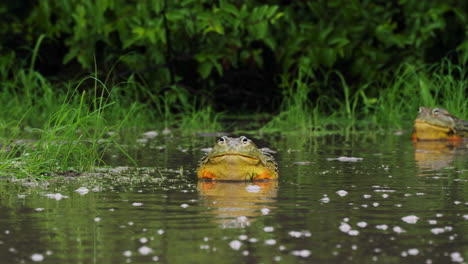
x=235 y=244
x=410 y=219
x=362 y=224
x=242 y=218
x=56 y=196
x=398 y=230
x=382 y=227
x=456 y=257
x=82 y=190
x=150 y=134
x=346 y=159
x=144 y=250
x=36 y=257
x=253 y=188
x=298 y=234
x=437 y=230
x=253 y=240
x=304 y=253
x=342 y=193
x=243 y=237
x=344 y=227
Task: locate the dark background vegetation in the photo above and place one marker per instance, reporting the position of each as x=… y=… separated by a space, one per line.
x=234 y=55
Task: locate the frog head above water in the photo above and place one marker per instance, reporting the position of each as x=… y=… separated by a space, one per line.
x=237 y=159
x=437 y=124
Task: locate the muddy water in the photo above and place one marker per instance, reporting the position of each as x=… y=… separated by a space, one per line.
x=355 y=199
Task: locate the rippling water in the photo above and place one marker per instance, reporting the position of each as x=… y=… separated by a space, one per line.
x=354 y=199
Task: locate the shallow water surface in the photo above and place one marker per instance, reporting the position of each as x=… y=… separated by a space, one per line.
x=354 y=199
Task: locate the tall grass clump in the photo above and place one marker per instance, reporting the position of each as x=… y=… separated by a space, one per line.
x=24 y=89
x=180 y=109
x=453 y=82
x=28 y=95
x=325 y=113
x=74 y=137
x=200 y=119
x=296 y=111
x=347 y=108
x=441 y=85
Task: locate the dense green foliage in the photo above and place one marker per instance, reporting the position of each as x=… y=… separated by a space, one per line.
x=234 y=52
x=314 y=65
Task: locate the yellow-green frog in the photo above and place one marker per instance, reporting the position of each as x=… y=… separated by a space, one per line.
x=237 y=159
x=438 y=124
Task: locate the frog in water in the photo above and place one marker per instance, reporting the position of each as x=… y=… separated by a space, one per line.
x=237 y=159
x=438 y=124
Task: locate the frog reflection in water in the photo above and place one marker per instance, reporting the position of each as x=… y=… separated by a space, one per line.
x=437 y=138
x=237 y=204
x=438 y=124
x=237 y=159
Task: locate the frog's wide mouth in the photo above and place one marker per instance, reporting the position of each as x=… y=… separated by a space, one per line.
x=418 y=123
x=234 y=156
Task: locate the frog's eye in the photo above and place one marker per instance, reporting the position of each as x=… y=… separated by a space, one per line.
x=244 y=140
x=435 y=111
x=222 y=140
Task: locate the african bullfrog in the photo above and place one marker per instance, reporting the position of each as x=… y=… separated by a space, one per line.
x=237 y=159
x=438 y=124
